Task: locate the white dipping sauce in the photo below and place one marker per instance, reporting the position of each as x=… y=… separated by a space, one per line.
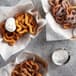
x=10 y=24
x=59 y=57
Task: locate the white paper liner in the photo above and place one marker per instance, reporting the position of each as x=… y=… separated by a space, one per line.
x=55 y=31
x=7 y=69
x=5 y=12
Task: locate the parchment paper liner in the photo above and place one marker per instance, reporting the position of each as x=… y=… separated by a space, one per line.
x=6 y=12
x=57 y=31
x=6 y=70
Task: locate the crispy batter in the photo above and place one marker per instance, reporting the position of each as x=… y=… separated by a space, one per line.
x=61 y=10
x=27 y=68
x=31 y=23
x=38 y=74
x=25 y=24
x=35 y=66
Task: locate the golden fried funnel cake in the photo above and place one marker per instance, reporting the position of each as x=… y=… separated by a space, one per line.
x=31 y=23
x=64 y=13
x=27 y=68
x=25 y=24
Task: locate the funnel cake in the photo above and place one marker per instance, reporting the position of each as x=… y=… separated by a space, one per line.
x=64 y=13
x=25 y=24
x=27 y=68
